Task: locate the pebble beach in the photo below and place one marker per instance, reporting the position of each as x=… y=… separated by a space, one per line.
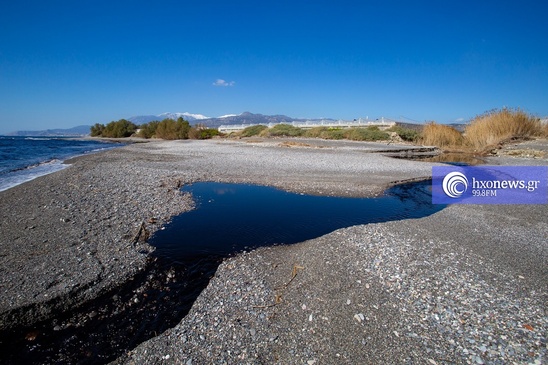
x=466 y=285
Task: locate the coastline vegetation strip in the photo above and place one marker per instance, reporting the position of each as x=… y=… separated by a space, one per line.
x=371 y=133
x=168 y=129
x=484 y=133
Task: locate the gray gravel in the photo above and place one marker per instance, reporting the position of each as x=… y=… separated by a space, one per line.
x=68 y=237
x=465 y=285
x=397 y=292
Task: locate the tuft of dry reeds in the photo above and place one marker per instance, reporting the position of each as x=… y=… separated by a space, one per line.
x=545 y=130
x=440 y=135
x=496 y=126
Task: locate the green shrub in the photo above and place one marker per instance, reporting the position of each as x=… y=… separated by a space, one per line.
x=371 y=133
x=148 y=130
x=406 y=134
x=171 y=129
x=207 y=133
x=282 y=130
x=97 y=130
x=315 y=132
x=119 y=129
x=253 y=130
x=333 y=133
x=325 y=133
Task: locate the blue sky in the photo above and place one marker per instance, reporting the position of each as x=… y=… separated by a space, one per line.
x=67 y=63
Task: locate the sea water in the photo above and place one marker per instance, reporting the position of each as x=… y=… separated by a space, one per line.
x=25 y=158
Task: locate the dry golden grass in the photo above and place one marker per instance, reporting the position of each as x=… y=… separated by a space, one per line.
x=497 y=126
x=440 y=135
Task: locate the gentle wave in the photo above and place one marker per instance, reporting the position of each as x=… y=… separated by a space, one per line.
x=30 y=173
x=25 y=158
x=41 y=138
x=36 y=165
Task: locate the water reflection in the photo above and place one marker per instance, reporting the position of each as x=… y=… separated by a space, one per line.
x=233 y=217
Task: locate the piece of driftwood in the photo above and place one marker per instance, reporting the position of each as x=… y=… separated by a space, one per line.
x=142 y=234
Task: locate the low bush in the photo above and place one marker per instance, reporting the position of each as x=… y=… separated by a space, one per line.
x=97 y=130
x=315 y=132
x=333 y=133
x=254 y=130
x=282 y=130
x=497 y=126
x=406 y=134
x=325 y=133
x=120 y=129
x=208 y=133
x=440 y=135
x=371 y=133
x=148 y=130
x=173 y=129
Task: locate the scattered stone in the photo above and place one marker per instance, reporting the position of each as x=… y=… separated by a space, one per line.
x=453 y=275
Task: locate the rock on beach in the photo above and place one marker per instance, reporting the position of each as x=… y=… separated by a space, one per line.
x=465 y=285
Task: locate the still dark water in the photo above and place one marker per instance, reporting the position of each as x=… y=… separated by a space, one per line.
x=233 y=217
x=228 y=218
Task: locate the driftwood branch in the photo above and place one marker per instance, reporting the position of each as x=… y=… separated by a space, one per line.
x=141 y=233
x=278 y=297
x=294 y=273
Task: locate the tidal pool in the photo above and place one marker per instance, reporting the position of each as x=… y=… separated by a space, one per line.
x=230 y=218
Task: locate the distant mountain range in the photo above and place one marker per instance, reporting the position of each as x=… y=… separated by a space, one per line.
x=230 y=119
x=79 y=131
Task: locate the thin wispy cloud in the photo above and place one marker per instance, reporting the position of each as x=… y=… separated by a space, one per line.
x=221 y=82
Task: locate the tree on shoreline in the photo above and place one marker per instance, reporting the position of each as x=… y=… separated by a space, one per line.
x=97 y=130
x=148 y=130
x=173 y=129
x=168 y=129
x=114 y=129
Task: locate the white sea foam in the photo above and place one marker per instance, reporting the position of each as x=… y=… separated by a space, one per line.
x=30 y=173
x=39 y=138
x=25 y=158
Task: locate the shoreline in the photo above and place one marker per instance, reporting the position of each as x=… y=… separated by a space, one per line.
x=51 y=165
x=97 y=201
x=75 y=241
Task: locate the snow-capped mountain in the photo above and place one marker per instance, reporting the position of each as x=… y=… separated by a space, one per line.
x=185 y=116
x=243 y=118
x=141 y=119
